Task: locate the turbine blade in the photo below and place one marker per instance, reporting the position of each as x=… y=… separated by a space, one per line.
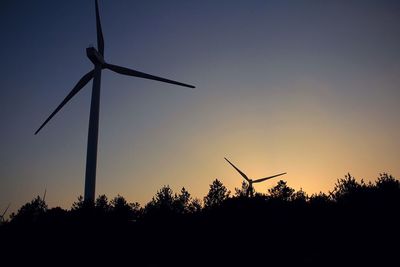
x=134 y=73
x=239 y=171
x=100 y=39
x=4 y=213
x=82 y=82
x=269 y=177
x=44 y=195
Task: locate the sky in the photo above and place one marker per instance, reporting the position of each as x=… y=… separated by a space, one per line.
x=310 y=88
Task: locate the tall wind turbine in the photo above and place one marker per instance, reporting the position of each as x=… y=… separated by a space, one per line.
x=97 y=58
x=250 y=189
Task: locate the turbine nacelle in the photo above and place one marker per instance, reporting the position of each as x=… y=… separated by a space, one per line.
x=95 y=56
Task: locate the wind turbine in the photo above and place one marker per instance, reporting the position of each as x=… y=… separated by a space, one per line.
x=97 y=58
x=250 y=189
x=44 y=195
x=4 y=213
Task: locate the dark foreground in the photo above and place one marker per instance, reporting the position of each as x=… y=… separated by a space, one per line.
x=355 y=225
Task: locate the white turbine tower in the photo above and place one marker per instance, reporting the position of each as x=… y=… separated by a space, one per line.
x=97 y=58
x=250 y=189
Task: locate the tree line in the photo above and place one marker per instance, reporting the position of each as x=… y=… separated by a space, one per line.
x=354 y=223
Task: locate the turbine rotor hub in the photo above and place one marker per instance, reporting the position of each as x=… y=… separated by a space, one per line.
x=95 y=56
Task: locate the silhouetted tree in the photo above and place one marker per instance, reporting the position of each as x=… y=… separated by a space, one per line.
x=164 y=198
x=242 y=192
x=281 y=191
x=124 y=211
x=85 y=211
x=348 y=190
x=217 y=194
x=182 y=201
x=162 y=204
x=136 y=211
x=195 y=206
x=387 y=183
x=30 y=212
x=102 y=205
x=319 y=200
x=78 y=204
x=299 y=196
x=387 y=190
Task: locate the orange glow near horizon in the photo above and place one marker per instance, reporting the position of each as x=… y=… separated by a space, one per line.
x=305 y=140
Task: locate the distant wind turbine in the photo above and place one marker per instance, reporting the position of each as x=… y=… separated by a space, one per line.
x=97 y=58
x=4 y=213
x=44 y=195
x=250 y=189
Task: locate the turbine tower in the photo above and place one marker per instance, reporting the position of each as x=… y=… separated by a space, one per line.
x=97 y=58
x=250 y=189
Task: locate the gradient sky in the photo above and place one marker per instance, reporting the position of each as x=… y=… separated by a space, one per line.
x=305 y=87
